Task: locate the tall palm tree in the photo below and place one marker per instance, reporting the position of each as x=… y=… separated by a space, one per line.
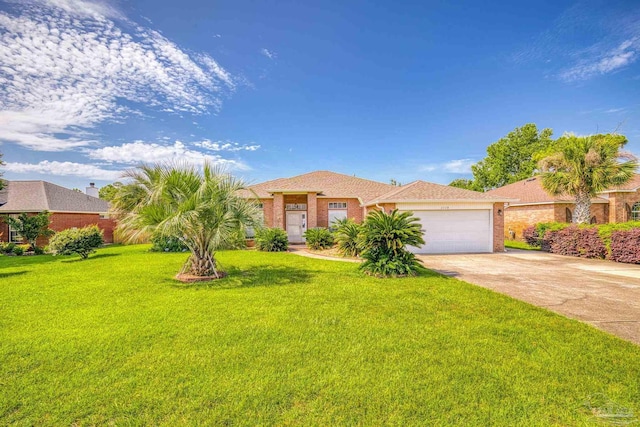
x=201 y=208
x=585 y=166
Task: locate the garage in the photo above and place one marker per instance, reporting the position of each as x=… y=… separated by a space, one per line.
x=455 y=231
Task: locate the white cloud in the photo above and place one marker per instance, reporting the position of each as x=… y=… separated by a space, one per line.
x=142 y=152
x=64 y=169
x=610 y=61
x=66 y=66
x=225 y=146
x=268 y=53
x=458 y=166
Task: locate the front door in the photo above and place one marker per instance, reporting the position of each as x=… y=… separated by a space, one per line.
x=296 y=226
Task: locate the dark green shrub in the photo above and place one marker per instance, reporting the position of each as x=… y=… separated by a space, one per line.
x=81 y=241
x=385 y=238
x=271 y=240
x=38 y=250
x=18 y=250
x=347 y=236
x=318 y=238
x=7 y=248
x=162 y=243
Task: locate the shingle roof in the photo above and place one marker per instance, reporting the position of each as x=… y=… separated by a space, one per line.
x=632 y=185
x=530 y=191
x=326 y=183
x=37 y=196
x=421 y=190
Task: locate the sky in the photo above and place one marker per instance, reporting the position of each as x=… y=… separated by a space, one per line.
x=378 y=89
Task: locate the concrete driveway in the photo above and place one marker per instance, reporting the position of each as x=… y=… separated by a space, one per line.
x=604 y=294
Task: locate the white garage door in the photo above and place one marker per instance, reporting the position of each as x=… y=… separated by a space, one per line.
x=454 y=231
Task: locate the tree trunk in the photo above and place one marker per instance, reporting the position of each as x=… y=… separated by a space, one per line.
x=201 y=263
x=582 y=214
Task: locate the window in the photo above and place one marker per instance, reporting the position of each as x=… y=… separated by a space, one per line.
x=14 y=236
x=568 y=215
x=594 y=220
x=635 y=212
x=335 y=215
x=627 y=210
x=295 y=207
x=338 y=205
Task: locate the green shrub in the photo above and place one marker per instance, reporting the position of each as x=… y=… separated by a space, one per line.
x=18 y=250
x=162 y=243
x=7 y=248
x=347 y=236
x=318 y=238
x=271 y=240
x=81 y=241
x=38 y=250
x=385 y=238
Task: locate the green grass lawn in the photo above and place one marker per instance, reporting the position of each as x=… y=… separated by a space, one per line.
x=288 y=340
x=517 y=244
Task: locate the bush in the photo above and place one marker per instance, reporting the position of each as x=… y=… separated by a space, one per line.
x=531 y=236
x=7 y=248
x=18 y=250
x=162 y=243
x=271 y=240
x=385 y=238
x=318 y=238
x=583 y=242
x=38 y=250
x=625 y=246
x=347 y=235
x=81 y=241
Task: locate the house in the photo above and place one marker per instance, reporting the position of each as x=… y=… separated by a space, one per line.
x=453 y=219
x=68 y=208
x=535 y=205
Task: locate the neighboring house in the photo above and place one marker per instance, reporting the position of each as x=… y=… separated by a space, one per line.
x=535 y=205
x=453 y=219
x=68 y=208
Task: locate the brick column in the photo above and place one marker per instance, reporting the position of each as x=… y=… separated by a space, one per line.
x=278 y=210
x=312 y=210
x=498 y=227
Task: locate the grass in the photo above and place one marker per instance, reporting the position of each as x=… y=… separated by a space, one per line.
x=287 y=340
x=517 y=244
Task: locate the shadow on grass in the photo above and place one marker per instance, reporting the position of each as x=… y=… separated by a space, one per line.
x=264 y=275
x=90 y=258
x=14 y=273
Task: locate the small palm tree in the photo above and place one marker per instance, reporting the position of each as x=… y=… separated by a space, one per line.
x=200 y=208
x=585 y=166
x=347 y=235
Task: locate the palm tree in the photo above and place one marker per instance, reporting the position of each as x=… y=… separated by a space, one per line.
x=200 y=208
x=585 y=166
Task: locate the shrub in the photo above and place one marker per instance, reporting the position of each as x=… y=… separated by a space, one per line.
x=318 y=238
x=7 y=248
x=161 y=243
x=590 y=243
x=18 y=250
x=347 y=235
x=531 y=236
x=81 y=241
x=385 y=238
x=271 y=240
x=625 y=246
x=30 y=227
x=38 y=250
x=606 y=230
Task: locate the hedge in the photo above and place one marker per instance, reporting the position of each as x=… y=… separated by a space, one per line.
x=618 y=242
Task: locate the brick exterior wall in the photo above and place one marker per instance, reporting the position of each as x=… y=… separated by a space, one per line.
x=312 y=210
x=498 y=227
x=278 y=210
x=267 y=210
x=618 y=202
x=354 y=210
x=517 y=218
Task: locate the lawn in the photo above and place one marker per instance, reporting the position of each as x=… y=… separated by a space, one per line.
x=517 y=244
x=289 y=340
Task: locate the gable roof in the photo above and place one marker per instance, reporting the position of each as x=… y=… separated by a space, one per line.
x=419 y=191
x=38 y=196
x=530 y=191
x=325 y=183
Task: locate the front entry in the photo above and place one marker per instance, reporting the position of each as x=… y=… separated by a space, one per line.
x=296 y=226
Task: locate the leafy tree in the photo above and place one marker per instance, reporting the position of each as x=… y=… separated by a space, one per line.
x=81 y=241
x=584 y=166
x=384 y=240
x=395 y=183
x=30 y=227
x=511 y=158
x=201 y=208
x=466 y=184
x=109 y=191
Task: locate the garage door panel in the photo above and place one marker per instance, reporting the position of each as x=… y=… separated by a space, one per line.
x=455 y=231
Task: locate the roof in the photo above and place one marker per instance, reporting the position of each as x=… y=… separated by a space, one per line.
x=530 y=191
x=418 y=191
x=38 y=196
x=325 y=183
x=632 y=185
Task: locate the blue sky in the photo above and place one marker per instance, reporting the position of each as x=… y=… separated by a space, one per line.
x=382 y=90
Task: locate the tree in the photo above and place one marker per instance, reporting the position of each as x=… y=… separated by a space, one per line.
x=30 y=227
x=466 y=184
x=583 y=166
x=201 y=208
x=511 y=158
x=395 y=183
x=109 y=191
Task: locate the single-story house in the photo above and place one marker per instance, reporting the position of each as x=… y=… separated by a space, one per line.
x=68 y=208
x=453 y=219
x=535 y=205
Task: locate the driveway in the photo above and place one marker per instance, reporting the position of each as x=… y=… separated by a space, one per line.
x=604 y=294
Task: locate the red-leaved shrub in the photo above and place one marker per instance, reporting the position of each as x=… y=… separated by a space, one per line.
x=590 y=244
x=564 y=242
x=579 y=242
x=625 y=246
x=530 y=235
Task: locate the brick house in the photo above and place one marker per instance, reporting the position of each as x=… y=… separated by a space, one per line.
x=535 y=205
x=453 y=219
x=68 y=208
